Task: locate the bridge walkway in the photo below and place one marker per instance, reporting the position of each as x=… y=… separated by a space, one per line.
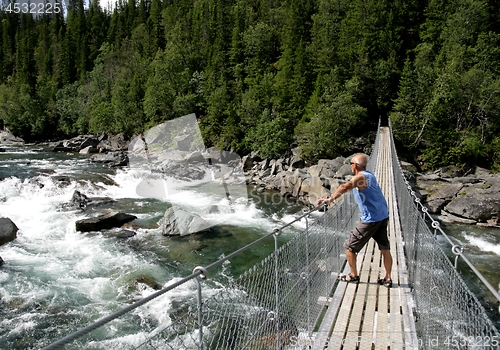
x=367 y=315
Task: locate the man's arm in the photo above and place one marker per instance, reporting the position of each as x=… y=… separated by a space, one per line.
x=357 y=181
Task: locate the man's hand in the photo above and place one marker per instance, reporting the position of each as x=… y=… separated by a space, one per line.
x=322 y=200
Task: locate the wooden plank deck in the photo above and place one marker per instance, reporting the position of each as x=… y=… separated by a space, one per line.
x=367 y=315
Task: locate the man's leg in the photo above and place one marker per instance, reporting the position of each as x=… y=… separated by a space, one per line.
x=382 y=240
x=386 y=254
x=351 y=260
x=355 y=242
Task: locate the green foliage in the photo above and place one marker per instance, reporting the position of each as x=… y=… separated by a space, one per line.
x=101 y=118
x=271 y=136
x=447 y=108
x=334 y=118
x=69 y=107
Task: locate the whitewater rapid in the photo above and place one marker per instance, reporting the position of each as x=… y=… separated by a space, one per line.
x=56 y=280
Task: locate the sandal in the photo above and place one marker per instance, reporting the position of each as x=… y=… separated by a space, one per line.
x=348 y=278
x=384 y=282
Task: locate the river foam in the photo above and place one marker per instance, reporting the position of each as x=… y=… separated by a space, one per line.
x=56 y=280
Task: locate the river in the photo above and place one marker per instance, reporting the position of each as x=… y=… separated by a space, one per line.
x=56 y=280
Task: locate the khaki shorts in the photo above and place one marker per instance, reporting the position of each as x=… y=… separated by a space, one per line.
x=366 y=230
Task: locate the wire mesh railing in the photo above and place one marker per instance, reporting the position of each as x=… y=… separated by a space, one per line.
x=269 y=306
x=447 y=312
x=275 y=302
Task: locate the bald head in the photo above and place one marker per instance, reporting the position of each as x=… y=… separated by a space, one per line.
x=360 y=159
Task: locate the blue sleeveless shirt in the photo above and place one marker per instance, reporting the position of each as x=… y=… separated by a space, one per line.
x=371 y=201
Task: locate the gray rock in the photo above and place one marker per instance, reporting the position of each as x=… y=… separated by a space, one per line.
x=82 y=202
x=450 y=218
x=112 y=143
x=89 y=141
x=79 y=200
x=482 y=172
x=274 y=167
x=330 y=166
x=178 y=222
x=478 y=204
x=442 y=194
x=247 y=162
x=297 y=163
x=8 y=230
x=408 y=167
x=61 y=180
x=430 y=177
x=213 y=209
x=7 y=138
x=1 y=261
x=213 y=154
x=265 y=173
x=344 y=171
x=181 y=170
x=465 y=200
x=450 y=172
x=88 y=150
x=290 y=182
x=104 y=222
x=464 y=180
x=112 y=159
x=57 y=146
x=183 y=142
x=76 y=144
x=195 y=157
x=314 y=189
x=264 y=165
x=314 y=170
x=121 y=233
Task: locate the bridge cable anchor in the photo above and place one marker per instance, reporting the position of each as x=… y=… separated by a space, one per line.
x=203 y=272
x=457 y=250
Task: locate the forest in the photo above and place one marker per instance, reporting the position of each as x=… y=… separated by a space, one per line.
x=263 y=75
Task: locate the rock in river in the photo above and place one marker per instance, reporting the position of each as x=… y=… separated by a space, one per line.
x=8 y=230
x=104 y=222
x=180 y=222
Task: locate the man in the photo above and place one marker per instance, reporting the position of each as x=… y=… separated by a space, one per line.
x=374 y=218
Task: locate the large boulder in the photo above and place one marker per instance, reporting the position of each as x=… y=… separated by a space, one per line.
x=344 y=171
x=76 y=144
x=178 y=222
x=7 y=138
x=104 y=222
x=183 y=142
x=463 y=199
x=312 y=188
x=290 y=182
x=8 y=230
x=80 y=142
x=88 y=150
x=181 y=170
x=441 y=194
x=112 y=159
x=329 y=167
x=112 y=143
x=82 y=202
x=478 y=204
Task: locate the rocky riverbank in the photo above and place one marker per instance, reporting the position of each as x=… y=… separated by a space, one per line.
x=458 y=197
x=449 y=193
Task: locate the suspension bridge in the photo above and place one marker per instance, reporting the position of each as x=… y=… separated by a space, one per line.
x=293 y=300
